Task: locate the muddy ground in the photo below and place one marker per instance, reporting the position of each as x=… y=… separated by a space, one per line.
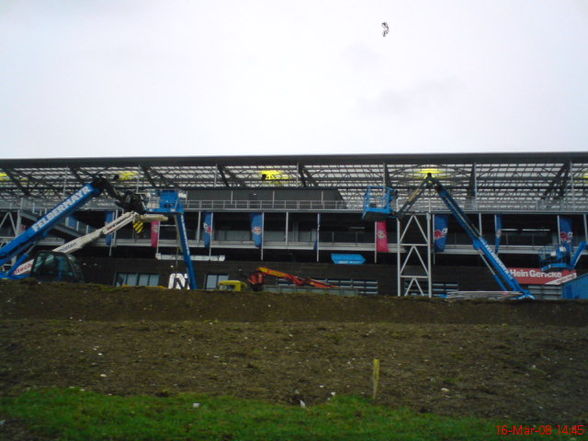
x=523 y=361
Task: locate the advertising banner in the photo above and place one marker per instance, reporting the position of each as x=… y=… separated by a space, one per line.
x=256 y=228
x=566 y=234
x=440 y=231
x=534 y=276
x=207 y=228
x=381 y=237
x=155 y=233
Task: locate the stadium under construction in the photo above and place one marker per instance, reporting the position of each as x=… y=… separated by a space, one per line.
x=305 y=215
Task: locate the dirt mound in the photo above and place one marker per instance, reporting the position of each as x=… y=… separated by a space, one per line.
x=30 y=299
x=522 y=360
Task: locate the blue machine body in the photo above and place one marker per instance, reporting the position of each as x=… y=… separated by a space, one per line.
x=560 y=258
x=171 y=202
x=576 y=288
x=377 y=203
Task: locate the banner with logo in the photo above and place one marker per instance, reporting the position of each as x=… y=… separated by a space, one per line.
x=534 y=276
x=566 y=234
x=381 y=237
x=256 y=228
x=497 y=232
x=155 y=225
x=109 y=217
x=207 y=228
x=440 y=231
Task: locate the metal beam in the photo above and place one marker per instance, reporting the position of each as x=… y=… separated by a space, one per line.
x=16 y=182
x=305 y=176
x=221 y=171
x=166 y=181
x=76 y=172
x=473 y=182
x=145 y=170
x=558 y=183
x=42 y=183
x=387 y=182
x=224 y=172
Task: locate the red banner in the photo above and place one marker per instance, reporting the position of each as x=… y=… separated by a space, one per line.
x=534 y=276
x=155 y=233
x=381 y=237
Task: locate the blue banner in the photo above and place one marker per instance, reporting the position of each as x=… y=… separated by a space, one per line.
x=207 y=228
x=256 y=228
x=566 y=234
x=497 y=232
x=109 y=217
x=440 y=234
x=348 y=259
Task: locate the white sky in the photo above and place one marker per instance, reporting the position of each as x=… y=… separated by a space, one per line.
x=269 y=77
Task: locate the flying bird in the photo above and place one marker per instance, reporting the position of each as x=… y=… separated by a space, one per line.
x=386 y=29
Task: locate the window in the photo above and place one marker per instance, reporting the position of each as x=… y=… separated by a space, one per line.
x=136 y=279
x=363 y=287
x=213 y=279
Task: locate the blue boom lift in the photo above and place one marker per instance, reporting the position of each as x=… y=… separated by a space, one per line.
x=378 y=206
x=560 y=257
x=59 y=265
x=172 y=202
x=21 y=246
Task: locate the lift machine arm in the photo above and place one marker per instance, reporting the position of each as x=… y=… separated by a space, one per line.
x=505 y=280
x=21 y=246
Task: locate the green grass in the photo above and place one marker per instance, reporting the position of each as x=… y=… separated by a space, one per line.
x=73 y=414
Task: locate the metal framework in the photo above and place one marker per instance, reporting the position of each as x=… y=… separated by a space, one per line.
x=540 y=182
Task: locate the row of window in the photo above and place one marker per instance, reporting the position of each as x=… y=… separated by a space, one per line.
x=366 y=287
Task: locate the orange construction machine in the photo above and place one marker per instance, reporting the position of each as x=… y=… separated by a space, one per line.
x=257 y=279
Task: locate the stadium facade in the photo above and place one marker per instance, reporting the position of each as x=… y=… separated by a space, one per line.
x=300 y=214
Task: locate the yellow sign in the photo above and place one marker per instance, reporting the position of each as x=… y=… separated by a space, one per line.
x=275 y=177
x=127 y=175
x=138 y=226
x=433 y=171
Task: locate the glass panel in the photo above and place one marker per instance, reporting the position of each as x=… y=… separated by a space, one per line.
x=153 y=279
x=213 y=279
x=143 y=280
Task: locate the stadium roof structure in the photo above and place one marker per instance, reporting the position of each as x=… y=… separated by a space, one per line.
x=516 y=182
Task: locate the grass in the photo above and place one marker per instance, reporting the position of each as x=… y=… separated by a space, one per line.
x=74 y=414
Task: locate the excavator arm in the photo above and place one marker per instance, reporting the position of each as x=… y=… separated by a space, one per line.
x=257 y=279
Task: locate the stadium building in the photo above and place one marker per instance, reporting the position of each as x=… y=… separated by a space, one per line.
x=303 y=215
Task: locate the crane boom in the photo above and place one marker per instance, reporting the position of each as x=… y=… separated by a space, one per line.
x=500 y=272
x=80 y=242
x=21 y=246
x=257 y=278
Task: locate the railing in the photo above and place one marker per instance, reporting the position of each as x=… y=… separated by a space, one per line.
x=424 y=205
x=279 y=205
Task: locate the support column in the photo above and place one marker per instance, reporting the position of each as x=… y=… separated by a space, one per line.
x=414 y=267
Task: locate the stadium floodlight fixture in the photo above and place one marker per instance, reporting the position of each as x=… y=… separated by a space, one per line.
x=433 y=171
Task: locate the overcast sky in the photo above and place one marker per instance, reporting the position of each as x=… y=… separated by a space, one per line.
x=268 y=77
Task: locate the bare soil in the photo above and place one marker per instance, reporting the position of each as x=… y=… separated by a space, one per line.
x=522 y=361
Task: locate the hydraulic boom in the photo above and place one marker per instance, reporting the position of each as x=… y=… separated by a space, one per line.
x=505 y=280
x=21 y=246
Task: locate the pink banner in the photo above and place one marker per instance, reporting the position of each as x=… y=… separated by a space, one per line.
x=155 y=233
x=381 y=237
